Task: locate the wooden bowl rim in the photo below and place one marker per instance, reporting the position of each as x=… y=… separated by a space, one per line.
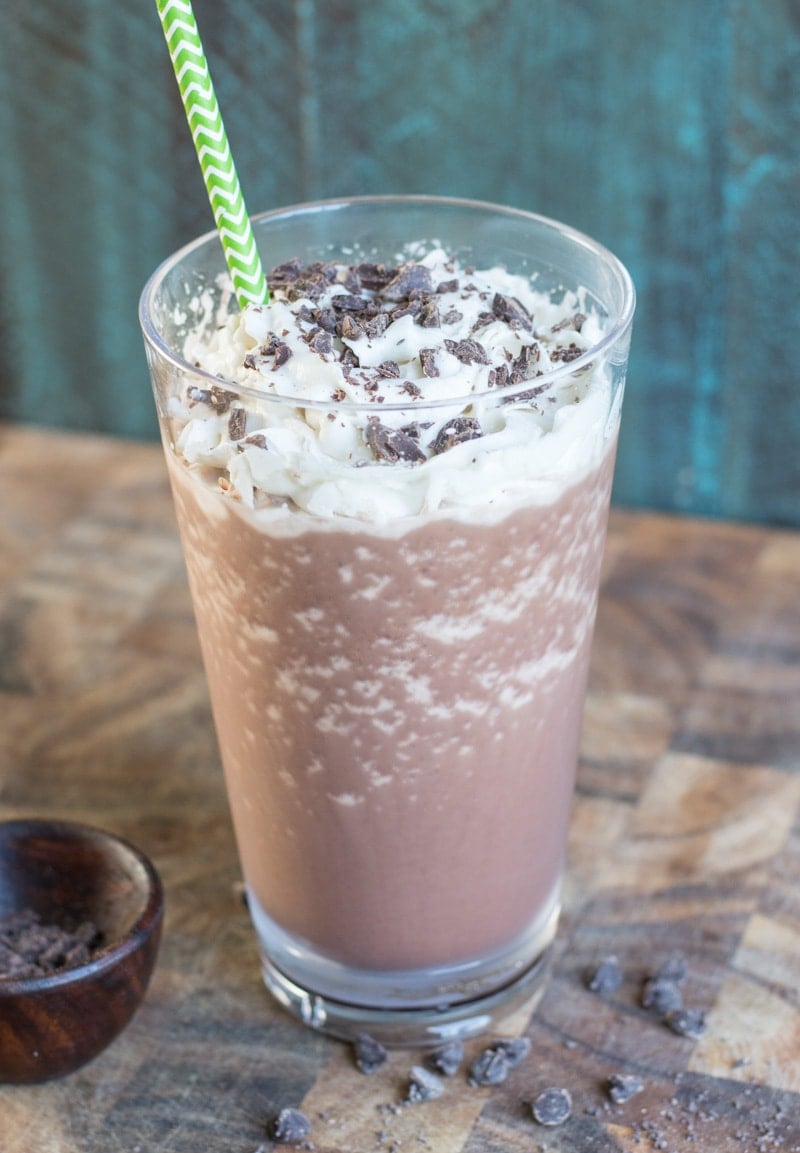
x=110 y=955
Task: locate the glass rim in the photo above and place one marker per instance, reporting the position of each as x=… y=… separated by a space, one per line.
x=554 y=377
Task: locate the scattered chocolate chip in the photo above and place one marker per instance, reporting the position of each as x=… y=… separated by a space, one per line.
x=220 y=398
x=237 y=423
x=429 y=315
x=621 y=1087
x=606 y=978
x=427 y=358
x=374 y=277
x=661 y=994
x=447 y=1058
x=409 y=278
x=467 y=351
x=552 y=1107
x=339 y=395
x=498 y=377
x=325 y=318
x=673 y=969
x=509 y=309
x=687 y=1022
x=392 y=444
x=257 y=439
x=515 y=1049
x=282 y=353
x=455 y=431
x=369 y=1054
x=346 y=302
x=410 y=389
x=349 y=328
x=290 y=1127
x=524 y=365
x=447 y=286
x=377 y=325
x=490 y=1067
x=423 y=1086
x=286 y=273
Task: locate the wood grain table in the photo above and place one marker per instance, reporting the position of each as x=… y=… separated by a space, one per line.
x=685 y=837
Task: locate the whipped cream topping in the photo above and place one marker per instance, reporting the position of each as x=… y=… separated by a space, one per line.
x=380 y=392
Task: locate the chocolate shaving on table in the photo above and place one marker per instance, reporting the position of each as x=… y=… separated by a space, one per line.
x=392 y=444
x=662 y=995
x=423 y=1085
x=290 y=1127
x=455 y=431
x=369 y=1054
x=447 y=1058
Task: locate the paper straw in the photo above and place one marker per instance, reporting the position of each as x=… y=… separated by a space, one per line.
x=213 y=151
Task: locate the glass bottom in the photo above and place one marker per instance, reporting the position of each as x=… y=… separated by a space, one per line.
x=423 y=1007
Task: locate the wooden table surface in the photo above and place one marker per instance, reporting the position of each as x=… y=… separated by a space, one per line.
x=685 y=837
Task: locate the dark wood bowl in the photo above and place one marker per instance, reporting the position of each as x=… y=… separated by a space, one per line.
x=52 y=1025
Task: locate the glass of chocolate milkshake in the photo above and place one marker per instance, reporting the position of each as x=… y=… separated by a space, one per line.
x=392 y=485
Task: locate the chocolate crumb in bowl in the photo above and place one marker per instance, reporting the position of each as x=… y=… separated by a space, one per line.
x=552 y=1107
x=621 y=1087
x=447 y=1058
x=290 y=1127
x=31 y=948
x=369 y=1054
x=423 y=1085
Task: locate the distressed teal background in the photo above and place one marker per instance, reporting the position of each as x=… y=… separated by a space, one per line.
x=669 y=131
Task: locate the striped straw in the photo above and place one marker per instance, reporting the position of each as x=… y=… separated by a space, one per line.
x=213 y=151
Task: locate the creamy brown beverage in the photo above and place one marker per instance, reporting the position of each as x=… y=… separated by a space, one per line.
x=392 y=486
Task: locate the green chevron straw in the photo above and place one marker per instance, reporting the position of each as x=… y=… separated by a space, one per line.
x=213 y=151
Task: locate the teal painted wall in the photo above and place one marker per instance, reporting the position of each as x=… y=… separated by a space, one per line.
x=669 y=131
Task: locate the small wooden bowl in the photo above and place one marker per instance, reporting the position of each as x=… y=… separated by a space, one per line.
x=52 y=1025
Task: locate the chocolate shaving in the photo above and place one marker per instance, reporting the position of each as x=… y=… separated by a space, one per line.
x=392 y=444
x=467 y=351
x=452 y=317
x=498 y=377
x=410 y=278
x=220 y=398
x=411 y=389
x=346 y=302
x=427 y=358
x=568 y=354
x=389 y=370
x=374 y=277
x=237 y=423
x=350 y=329
x=321 y=342
x=325 y=318
x=377 y=325
x=456 y=431
x=575 y=322
x=429 y=315
x=447 y=286
x=509 y=309
x=525 y=364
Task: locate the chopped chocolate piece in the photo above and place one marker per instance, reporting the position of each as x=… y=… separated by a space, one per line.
x=568 y=354
x=389 y=370
x=482 y=319
x=349 y=328
x=515 y=1049
x=687 y=1022
x=339 y=394
x=325 y=318
x=349 y=360
x=410 y=278
x=661 y=994
x=607 y=977
x=285 y=274
x=528 y=393
x=490 y=1067
x=307 y=315
x=392 y=444
x=220 y=398
x=447 y=286
x=509 y=309
x=525 y=363
x=352 y=281
x=369 y=1054
x=452 y=317
x=423 y=1085
x=498 y=377
x=553 y=1107
x=467 y=351
x=321 y=342
x=282 y=353
x=621 y=1087
x=410 y=308
x=427 y=358
x=290 y=1127
x=410 y=388
x=447 y=1058
x=429 y=315
x=455 y=431
x=673 y=969
x=374 y=277
x=377 y=325
x=346 y=302
x=257 y=439
x=237 y=422
x=412 y=430
x=575 y=322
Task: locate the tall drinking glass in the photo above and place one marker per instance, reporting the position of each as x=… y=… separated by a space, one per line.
x=393 y=527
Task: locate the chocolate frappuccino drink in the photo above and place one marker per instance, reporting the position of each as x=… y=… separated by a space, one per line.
x=392 y=484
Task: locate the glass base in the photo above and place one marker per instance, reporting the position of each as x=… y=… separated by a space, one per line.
x=424 y=1026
